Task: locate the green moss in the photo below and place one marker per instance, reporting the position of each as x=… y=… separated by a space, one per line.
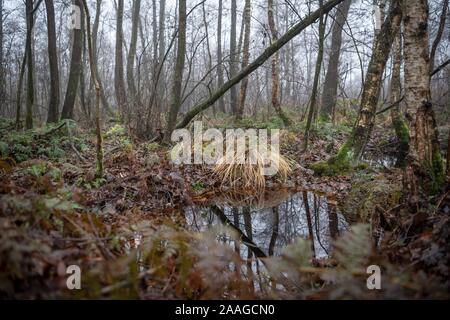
x=437 y=173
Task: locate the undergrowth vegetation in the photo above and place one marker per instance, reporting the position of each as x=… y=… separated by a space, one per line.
x=129 y=234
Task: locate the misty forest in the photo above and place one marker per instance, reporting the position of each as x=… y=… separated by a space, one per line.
x=95 y=97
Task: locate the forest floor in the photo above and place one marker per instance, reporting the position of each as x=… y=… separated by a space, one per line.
x=129 y=235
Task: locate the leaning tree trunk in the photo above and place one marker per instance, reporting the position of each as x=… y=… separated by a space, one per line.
x=53 y=107
x=75 y=69
x=275 y=66
x=352 y=150
x=425 y=153
x=119 y=80
x=330 y=84
x=179 y=68
x=401 y=130
x=245 y=59
x=30 y=77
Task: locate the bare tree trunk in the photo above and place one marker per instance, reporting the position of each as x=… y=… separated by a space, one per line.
x=312 y=103
x=119 y=81
x=233 y=58
x=263 y=57
x=53 y=108
x=333 y=222
x=178 y=73
x=401 y=130
x=93 y=67
x=249 y=231
x=75 y=69
x=132 y=52
x=19 y=90
x=309 y=221
x=439 y=34
x=424 y=146
x=275 y=65
x=245 y=59
x=330 y=84
x=30 y=76
x=95 y=27
x=162 y=52
x=275 y=228
x=2 y=71
x=353 y=148
x=219 y=55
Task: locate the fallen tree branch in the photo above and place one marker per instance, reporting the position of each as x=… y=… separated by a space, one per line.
x=271 y=50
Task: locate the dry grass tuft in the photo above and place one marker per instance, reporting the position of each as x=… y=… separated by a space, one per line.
x=247 y=174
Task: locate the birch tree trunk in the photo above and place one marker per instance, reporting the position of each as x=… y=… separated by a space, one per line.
x=424 y=147
x=352 y=150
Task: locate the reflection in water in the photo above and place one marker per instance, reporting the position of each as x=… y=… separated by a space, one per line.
x=266 y=230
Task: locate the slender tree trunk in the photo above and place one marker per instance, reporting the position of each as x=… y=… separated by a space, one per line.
x=424 y=147
x=275 y=228
x=313 y=104
x=353 y=148
x=2 y=70
x=93 y=67
x=309 y=221
x=132 y=52
x=178 y=73
x=333 y=222
x=249 y=231
x=19 y=90
x=275 y=65
x=219 y=56
x=259 y=61
x=95 y=27
x=119 y=81
x=162 y=51
x=75 y=69
x=30 y=76
x=233 y=58
x=330 y=84
x=439 y=34
x=401 y=130
x=245 y=58
x=53 y=108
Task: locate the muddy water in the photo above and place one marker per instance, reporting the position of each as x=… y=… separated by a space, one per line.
x=267 y=226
